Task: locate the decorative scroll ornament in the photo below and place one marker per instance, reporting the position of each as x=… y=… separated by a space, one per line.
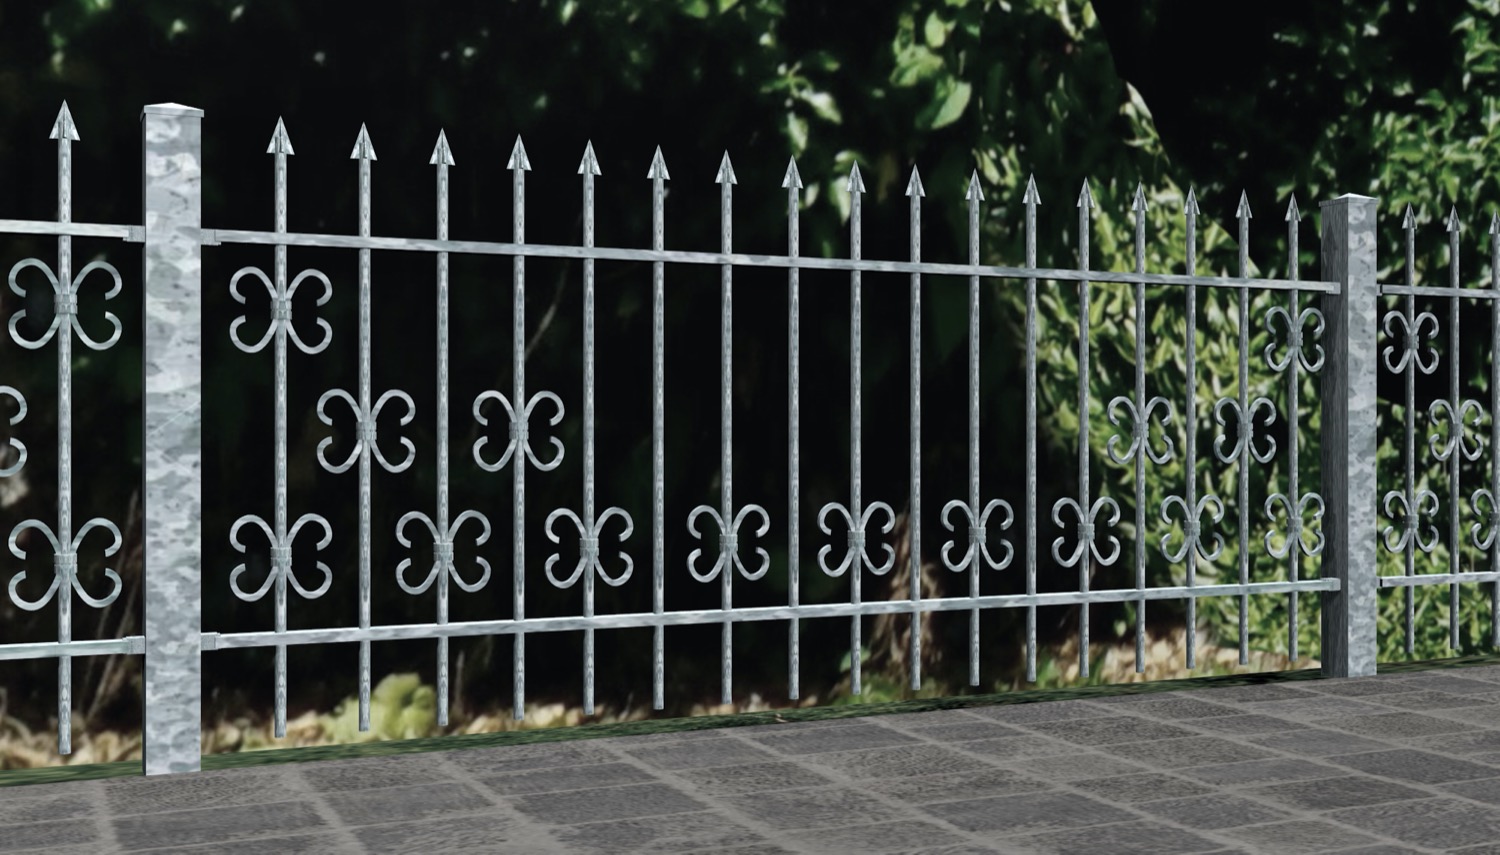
x=1245 y=419
x=65 y=564
x=442 y=552
x=365 y=426
x=1192 y=528
x=1409 y=521
x=588 y=561
x=7 y=471
x=729 y=549
x=1295 y=530
x=1489 y=519
x=519 y=437
x=1458 y=435
x=978 y=534
x=1140 y=430
x=281 y=310
x=281 y=557
x=857 y=549
x=1086 y=536
x=1411 y=333
x=65 y=301
x=1295 y=343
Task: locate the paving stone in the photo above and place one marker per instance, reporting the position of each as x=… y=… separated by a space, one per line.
x=834 y=739
x=698 y=754
x=1192 y=751
x=1451 y=683
x=1144 y=787
x=1298 y=836
x=1396 y=725
x=960 y=849
x=1046 y=711
x=963 y=732
x=680 y=832
x=1246 y=724
x=1316 y=742
x=1418 y=766
x=931 y=718
x=1016 y=748
x=1108 y=731
x=880 y=837
x=1213 y=812
x=327 y=843
x=1423 y=699
x=201 y=790
x=1380 y=849
x=475 y=833
x=57 y=803
x=957 y=786
x=1262 y=772
x=1075 y=767
x=214 y=825
x=1256 y=694
x=34 y=835
x=1464 y=744
x=1435 y=823
x=1487 y=790
x=750 y=778
x=821 y=807
x=1177 y=708
x=1333 y=793
x=1324 y=710
x=565 y=778
x=545 y=755
x=1354 y=687
x=400 y=804
x=1487 y=715
x=606 y=803
x=372 y=772
x=1125 y=838
x=1027 y=813
x=901 y=762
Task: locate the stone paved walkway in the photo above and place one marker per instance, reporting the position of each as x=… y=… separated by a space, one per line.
x=1407 y=762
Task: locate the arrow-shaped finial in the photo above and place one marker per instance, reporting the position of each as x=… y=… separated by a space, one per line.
x=914 y=184
x=975 y=194
x=280 y=142
x=518 y=159
x=1292 y=214
x=1191 y=207
x=1032 y=197
x=1453 y=223
x=63 y=128
x=590 y=164
x=440 y=152
x=1409 y=221
x=1243 y=211
x=856 y=183
x=792 y=178
x=1085 y=198
x=363 y=148
x=658 y=167
x=726 y=172
x=1139 y=203
x=1495 y=224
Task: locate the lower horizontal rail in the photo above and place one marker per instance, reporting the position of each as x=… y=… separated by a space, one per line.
x=130 y=644
x=225 y=641
x=1437 y=579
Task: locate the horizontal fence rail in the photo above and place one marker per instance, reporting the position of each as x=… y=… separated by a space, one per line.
x=1335 y=339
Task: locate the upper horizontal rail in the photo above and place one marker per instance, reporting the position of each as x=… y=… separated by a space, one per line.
x=216 y=237
x=1440 y=291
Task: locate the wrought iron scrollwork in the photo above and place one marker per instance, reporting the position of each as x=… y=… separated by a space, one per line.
x=1489 y=519
x=15 y=395
x=1408 y=518
x=1458 y=437
x=588 y=560
x=1295 y=348
x=857 y=549
x=1246 y=422
x=281 y=557
x=1412 y=336
x=1192 y=528
x=65 y=564
x=1086 y=536
x=442 y=552
x=281 y=310
x=519 y=436
x=729 y=542
x=1140 y=430
x=65 y=300
x=365 y=425
x=1295 y=527
x=978 y=534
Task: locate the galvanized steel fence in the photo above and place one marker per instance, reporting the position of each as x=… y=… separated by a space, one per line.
x=1336 y=339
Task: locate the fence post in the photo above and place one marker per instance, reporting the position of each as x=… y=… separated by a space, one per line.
x=172 y=461
x=1348 y=436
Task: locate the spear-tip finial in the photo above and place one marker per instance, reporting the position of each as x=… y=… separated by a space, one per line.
x=280 y=142
x=1085 y=198
x=658 y=167
x=856 y=182
x=1292 y=214
x=1243 y=211
x=1495 y=224
x=1032 y=197
x=518 y=158
x=1138 y=204
x=63 y=128
x=792 y=178
x=726 y=172
x=914 y=184
x=363 y=148
x=590 y=164
x=1453 y=223
x=1409 y=221
x=440 y=152
x=975 y=194
x=1191 y=206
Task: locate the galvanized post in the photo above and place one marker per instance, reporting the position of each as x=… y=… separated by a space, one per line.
x=172 y=462
x=1348 y=436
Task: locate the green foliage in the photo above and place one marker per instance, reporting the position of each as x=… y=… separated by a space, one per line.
x=401 y=707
